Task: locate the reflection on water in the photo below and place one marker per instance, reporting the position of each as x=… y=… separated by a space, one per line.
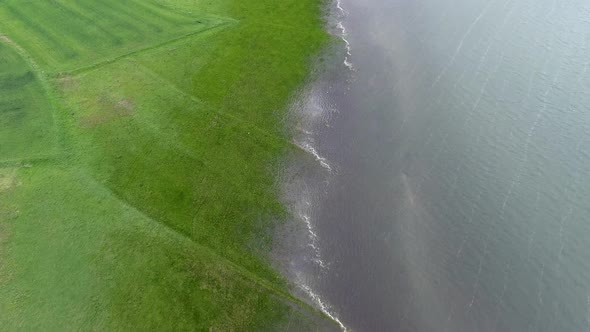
x=455 y=188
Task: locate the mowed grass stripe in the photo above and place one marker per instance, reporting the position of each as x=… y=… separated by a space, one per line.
x=72 y=11
x=142 y=12
x=73 y=33
x=170 y=16
x=59 y=19
x=134 y=14
x=91 y=31
x=119 y=25
x=40 y=35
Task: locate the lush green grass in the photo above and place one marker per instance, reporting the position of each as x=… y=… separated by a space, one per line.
x=154 y=212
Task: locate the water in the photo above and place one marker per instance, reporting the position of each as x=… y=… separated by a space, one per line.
x=448 y=181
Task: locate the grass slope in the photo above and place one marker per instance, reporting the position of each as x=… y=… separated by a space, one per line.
x=158 y=125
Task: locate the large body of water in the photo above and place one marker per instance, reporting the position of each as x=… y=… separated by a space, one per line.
x=448 y=187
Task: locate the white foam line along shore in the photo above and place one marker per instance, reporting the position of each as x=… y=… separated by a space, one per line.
x=307 y=147
x=325 y=308
x=313 y=237
x=343 y=34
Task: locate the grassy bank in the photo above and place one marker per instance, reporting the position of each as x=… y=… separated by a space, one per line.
x=137 y=142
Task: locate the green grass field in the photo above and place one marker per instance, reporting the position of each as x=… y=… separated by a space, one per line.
x=137 y=148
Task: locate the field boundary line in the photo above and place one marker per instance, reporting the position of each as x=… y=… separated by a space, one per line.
x=240 y=270
x=29 y=162
x=102 y=63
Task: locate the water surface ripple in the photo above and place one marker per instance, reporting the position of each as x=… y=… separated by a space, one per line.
x=458 y=192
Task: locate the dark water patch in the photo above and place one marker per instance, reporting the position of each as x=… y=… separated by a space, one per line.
x=462 y=149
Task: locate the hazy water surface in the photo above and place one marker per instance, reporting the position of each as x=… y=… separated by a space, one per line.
x=452 y=182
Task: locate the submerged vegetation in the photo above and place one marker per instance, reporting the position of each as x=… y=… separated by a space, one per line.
x=137 y=140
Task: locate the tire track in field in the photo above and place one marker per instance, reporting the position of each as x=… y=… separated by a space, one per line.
x=97 y=65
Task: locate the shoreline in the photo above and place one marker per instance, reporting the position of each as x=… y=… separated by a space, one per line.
x=306 y=168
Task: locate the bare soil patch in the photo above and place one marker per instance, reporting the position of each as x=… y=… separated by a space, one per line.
x=8 y=179
x=108 y=111
x=67 y=82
